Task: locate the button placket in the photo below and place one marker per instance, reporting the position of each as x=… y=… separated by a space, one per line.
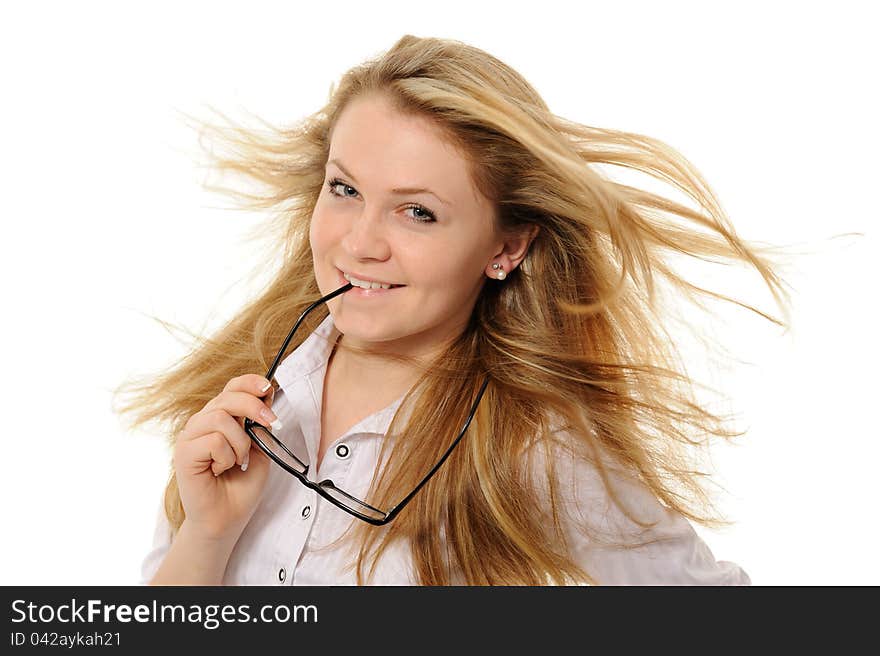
x=293 y=537
x=337 y=468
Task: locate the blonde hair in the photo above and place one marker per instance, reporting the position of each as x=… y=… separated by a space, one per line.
x=573 y=341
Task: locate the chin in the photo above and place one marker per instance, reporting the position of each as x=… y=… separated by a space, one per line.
x=366 y=331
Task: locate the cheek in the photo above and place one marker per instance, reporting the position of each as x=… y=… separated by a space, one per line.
x=321 y=234
x=448 y=277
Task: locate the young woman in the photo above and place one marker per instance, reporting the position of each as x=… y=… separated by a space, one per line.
x=479 y=389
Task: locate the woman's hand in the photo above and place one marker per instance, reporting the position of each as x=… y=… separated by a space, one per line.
x=218 y=494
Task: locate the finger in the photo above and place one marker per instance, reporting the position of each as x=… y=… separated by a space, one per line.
x=256 y=458
x=222 y=454
x=218 y=421
x=211 y=451
x=252 y=383
x=269 y=399
x=245 y=404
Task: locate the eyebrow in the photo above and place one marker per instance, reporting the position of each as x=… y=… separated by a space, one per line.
x=397 y=190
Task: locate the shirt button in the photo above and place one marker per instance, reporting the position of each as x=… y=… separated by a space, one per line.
x=342 y=451
x=306 y=511
x=282 y=575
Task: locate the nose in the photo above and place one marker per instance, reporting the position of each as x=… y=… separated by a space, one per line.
x=366 y=237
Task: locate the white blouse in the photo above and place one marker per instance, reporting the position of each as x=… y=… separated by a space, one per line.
x=290 y=538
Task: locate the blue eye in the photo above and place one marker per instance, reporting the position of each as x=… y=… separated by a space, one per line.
x=335 y=183
x=428 y=215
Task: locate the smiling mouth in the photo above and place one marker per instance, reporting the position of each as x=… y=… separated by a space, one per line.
x=367 y=284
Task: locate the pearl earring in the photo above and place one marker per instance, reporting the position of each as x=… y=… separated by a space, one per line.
x=501 y=273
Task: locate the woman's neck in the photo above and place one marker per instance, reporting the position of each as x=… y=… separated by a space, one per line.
x=373 y=376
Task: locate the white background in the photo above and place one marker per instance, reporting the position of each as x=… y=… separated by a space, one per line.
x=104 y=222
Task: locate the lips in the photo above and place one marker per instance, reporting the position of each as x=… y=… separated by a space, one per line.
x=343 y=279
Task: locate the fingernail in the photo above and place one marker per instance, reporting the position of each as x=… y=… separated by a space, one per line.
x=268 y=385
x=270 y=418
x=244 y=463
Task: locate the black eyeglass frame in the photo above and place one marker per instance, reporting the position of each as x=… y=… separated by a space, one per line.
x=322 y=486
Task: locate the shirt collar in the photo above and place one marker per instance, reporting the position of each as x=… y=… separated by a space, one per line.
x=311 y=356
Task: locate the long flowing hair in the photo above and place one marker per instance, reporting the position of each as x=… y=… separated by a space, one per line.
x=574 y=342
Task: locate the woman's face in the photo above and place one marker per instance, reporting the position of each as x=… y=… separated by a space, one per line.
x=438 y=244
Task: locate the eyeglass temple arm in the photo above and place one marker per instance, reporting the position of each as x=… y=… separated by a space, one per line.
x=396 y=509
x=293 y=330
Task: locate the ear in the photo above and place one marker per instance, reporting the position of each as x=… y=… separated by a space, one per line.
x=512 y=251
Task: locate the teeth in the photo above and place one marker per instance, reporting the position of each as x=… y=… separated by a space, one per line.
x=365 y=284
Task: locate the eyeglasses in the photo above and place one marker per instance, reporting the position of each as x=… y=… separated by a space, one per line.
x=277 y=451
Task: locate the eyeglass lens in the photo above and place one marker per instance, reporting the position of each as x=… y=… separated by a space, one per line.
x=277 y=447
x=285 y=455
